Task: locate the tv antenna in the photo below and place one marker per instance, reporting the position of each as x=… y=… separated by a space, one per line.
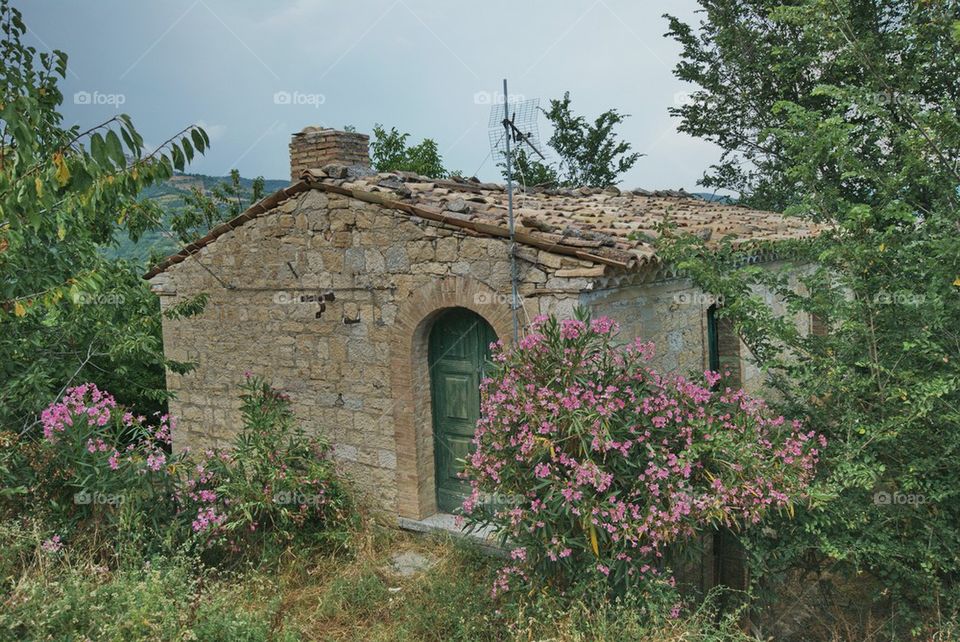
x=514 y=122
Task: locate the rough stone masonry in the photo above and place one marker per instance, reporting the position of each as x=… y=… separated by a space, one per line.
x=329 y=290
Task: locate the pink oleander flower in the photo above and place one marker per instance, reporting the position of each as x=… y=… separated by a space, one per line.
x=711 y=378
x=156 y=460
x=604 y=325
x=579 y=426
x=52 y=545
x=571 y=328
x=207 y=518
x=84 y=402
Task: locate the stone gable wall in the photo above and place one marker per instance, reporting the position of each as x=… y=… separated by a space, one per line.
x=264 y=281
x=668 y=312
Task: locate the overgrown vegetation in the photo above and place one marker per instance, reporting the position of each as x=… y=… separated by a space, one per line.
x=846 y=113
x=305 y=596
x=108 y=537
x=100 y=468
x=590 y=466
x=100 y=492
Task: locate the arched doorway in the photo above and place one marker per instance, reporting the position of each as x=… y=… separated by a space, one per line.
x=458 y=353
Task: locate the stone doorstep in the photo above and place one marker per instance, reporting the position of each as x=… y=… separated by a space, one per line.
x=445 y=523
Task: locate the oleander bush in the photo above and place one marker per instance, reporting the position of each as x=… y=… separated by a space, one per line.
x=100 y=469
x=590 y=465
x=96 y=468
x=275 y=484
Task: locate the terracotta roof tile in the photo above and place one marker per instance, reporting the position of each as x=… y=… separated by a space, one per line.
x=602 y=225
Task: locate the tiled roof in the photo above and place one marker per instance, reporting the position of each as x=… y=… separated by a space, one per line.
x=607 y=226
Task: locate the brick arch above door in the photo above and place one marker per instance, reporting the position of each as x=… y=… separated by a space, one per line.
x=410 y=379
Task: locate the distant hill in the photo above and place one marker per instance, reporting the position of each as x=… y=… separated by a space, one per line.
x=170 y=196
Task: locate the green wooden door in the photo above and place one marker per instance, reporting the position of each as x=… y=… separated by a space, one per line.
x=459 y=348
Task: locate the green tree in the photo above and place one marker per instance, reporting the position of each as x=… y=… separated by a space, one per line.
x=65 y=311
x=845 y=112
x=202 y=211
x=748 y=61
x=590 y=154
x=391 y=153
x=529 y=171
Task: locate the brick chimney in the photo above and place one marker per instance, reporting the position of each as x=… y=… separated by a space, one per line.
x=315 y=147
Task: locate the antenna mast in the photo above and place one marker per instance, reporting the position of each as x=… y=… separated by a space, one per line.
x=515 y=293
x=528 y=111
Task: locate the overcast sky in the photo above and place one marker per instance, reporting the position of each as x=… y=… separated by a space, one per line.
x=253 y=72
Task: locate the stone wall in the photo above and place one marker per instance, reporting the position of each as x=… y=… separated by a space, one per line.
x=266 y=281
x=667 y=309
x=331 y=298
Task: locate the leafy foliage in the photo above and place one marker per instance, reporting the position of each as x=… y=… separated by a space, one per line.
x=590 y=154
x=390 y=153
x=846 y=113
x=275 y=483
x=202 y=211
x=591 y=465
x=64 y=192
x=757 y=65
x=107 y=329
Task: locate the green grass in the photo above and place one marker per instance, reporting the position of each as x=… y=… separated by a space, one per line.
x=302 y=594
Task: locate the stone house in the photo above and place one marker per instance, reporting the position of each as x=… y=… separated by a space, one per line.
x=371 y=298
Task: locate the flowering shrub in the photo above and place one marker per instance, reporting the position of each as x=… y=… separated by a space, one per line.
x=589 y=464
x=276 y=481
x=98 y=462
x=95 y=458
